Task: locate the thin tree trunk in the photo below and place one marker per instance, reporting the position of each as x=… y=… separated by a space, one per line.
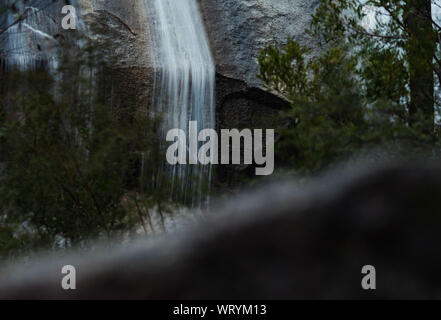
x=420 y=49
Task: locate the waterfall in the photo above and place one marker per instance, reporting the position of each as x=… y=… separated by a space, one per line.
x=184 y=85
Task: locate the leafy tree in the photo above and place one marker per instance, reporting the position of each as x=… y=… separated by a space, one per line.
x=364 y=86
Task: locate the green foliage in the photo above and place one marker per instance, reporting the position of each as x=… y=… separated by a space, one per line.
x=356 y=91
x=71 y=166
x=66 y=167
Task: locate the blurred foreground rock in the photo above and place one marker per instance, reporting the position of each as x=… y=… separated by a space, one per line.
x=279 y=242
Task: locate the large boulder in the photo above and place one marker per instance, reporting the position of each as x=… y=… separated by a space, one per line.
x=282 y=241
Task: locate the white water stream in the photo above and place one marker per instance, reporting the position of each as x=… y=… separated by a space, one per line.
x=185 y=83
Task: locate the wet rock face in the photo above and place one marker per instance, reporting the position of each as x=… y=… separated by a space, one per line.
x=125 y=24
x=238 y=30
x=279 y=242
x=122 y=26
x=29 y=42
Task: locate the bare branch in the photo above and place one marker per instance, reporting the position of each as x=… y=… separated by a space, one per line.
x=23 y=16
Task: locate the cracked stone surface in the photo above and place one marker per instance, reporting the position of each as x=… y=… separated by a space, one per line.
x=125 y=22
x=238 y=30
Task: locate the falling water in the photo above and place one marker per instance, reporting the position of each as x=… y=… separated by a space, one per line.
x=185 y=83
